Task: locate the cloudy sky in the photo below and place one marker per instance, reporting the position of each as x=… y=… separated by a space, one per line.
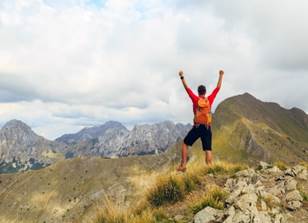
x=66 y=64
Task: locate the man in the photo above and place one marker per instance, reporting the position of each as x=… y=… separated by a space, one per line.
x=202 y=120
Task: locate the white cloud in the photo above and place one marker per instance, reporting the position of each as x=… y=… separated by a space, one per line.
x=68 y=64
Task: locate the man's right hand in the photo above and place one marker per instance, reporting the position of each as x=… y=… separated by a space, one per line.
x=221 y=72
x=181 y=73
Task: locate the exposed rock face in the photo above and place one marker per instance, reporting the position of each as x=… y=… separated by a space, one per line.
x=20 y=147
x=113 y=139
x=261 y=196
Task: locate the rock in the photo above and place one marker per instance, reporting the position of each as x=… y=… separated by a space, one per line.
x=278 y=218
x=249 y=189
x=241 y=184
x=274 y=170
x=241 y=217
x=271 y=198
x=275 y=211
x=230 y=184
x=208 y=215
x=303 y=175
x=236 y=190
x=279 y=178
x=246 y=173
x=233 y=196
x=261 y=217
x=293 y=196
x=294 y=205
x=289 y=172
x=229 y=214
x=264 y=165
x=290 y=184
x=247 y=202
x=278 y=189
x=298 y=169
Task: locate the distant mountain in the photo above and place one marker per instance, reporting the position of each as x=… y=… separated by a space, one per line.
x=147 y=139
x=91 y=133
x=246 y=128
x=21 y=148
x=114 y=139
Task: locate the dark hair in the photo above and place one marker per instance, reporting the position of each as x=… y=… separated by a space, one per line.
x=201 y=90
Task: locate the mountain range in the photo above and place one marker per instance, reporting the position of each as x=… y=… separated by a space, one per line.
x=245 y=128
x=21 y=148
x=114 y=139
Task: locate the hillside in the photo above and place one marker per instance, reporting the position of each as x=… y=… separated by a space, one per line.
x=246 y=128
x=70 y=189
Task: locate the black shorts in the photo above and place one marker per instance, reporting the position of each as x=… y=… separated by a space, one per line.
x=200 y=131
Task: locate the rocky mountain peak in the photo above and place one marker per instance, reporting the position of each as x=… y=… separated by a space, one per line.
x=18 y=130
x=16 y=124
x=114 y=124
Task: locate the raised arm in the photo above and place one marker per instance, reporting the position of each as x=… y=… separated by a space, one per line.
x=212 y=96
x=191 y=94
x=221 y=74
x=181 y=74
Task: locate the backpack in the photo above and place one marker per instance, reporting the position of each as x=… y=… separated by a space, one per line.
x=203 y=113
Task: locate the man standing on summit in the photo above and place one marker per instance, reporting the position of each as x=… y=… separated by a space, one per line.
x=202 y=120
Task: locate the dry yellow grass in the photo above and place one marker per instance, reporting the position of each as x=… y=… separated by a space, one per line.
x=168 y=187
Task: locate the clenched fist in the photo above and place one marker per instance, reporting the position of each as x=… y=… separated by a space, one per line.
x=221 y=72
x=181 y=73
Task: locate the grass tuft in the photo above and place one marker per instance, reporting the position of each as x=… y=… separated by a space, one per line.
x=281 y=165
x=214 y=198
x=167 y=190
x=225 y=168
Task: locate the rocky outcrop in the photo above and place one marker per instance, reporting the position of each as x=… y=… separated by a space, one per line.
x=264 y=195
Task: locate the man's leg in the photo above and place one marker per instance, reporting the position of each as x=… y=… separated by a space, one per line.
x=182 y=166
x=208 y=157
x=206 y=139
x=184 y=154
x=189 y=140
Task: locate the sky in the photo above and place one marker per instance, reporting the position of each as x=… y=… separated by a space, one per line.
x=69 y=64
